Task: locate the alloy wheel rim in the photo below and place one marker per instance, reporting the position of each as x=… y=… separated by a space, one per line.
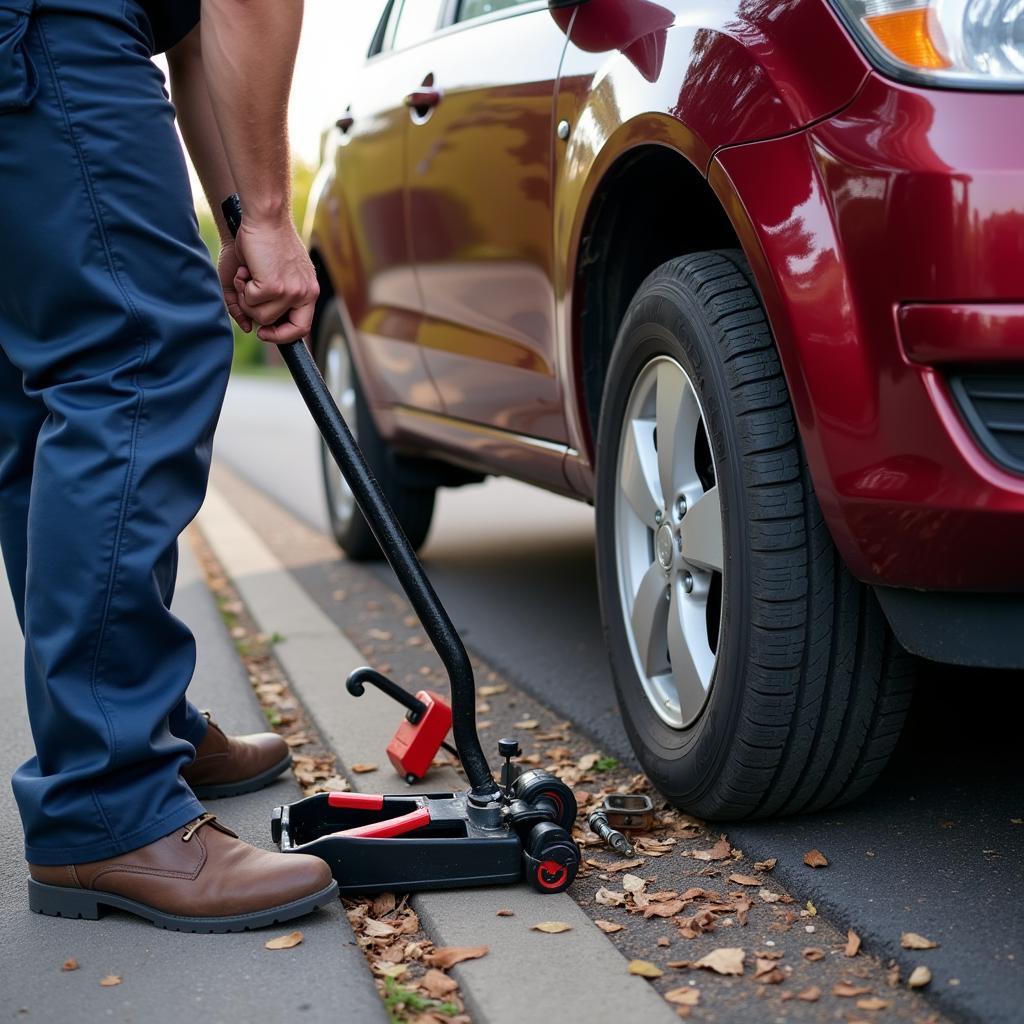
x=339 y=379
x=669 y=542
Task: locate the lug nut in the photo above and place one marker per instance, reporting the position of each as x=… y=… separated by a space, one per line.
x=681 y=506
x=658 y=516
x=687 y=582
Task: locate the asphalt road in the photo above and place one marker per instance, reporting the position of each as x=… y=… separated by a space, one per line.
x=932 y=849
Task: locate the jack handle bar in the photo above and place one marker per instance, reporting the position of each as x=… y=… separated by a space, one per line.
x=396 y=547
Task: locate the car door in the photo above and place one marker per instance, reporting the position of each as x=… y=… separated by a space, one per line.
x=479 y=185
x=373 y=260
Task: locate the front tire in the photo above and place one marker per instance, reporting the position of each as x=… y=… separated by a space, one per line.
x=413 y=505
x=755 y=675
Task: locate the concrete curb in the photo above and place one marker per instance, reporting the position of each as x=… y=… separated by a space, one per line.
x=579 y=969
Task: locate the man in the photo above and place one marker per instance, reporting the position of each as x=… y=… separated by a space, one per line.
x=115 y=355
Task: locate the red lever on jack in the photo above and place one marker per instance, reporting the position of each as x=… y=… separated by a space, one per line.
x=421 y=735
x=389 y=828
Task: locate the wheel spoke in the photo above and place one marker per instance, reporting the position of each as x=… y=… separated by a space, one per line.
x=677 y=414
x=692 y=658
x=702 y=532
x=649 y=619
x=638 y=477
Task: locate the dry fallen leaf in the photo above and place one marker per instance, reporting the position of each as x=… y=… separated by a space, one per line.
x=551 y=927
x=766 y=865
x=361 y=768
x=847 y=989
x=667 y=909
x=608 y=927
x=911 y=940
x=449 y=956
x=289 y=940
x=892 y=975
x=70 y=965
x=770 y=897
x=725 y=960
x=111 y=980
x=645 y=969
x=526 y=723
x=919 y=977
x=437 y=984
x=505 y=912
x=852 y=947
x=815 y=859
x=375 y=929
x=491 y=691
x=635 y=885
x=607 y=898
x=654 y=847
x=685 y=996
x=389 y=970
x=720 y=851
x=744 y=880
x=872 y=1003
x=811 y=994
x=772 y=977
x=813 y=953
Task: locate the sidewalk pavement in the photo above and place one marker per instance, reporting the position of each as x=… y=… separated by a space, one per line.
x=168 y=976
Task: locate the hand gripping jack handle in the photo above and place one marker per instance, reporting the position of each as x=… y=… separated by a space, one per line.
x=490 y=834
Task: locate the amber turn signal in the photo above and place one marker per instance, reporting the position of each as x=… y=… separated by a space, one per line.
x=912 y=36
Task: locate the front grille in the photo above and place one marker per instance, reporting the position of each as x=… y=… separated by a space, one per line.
x=993 y=405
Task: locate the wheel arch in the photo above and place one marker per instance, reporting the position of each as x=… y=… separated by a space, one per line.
x=645 y=205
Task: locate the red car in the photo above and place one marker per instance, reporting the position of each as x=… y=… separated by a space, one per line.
x=747 y=276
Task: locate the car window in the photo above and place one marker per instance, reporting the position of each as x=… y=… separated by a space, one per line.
x=385 y=27
x=478 y=8
x=418 y=20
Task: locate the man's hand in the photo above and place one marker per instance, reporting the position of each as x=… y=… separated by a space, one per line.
x=227 y=270
x=275 y=283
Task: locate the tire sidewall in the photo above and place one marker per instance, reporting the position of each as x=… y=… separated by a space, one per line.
x=664 y=319
x=352 y=532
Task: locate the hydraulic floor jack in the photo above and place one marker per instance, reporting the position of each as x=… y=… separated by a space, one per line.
x=490 y=833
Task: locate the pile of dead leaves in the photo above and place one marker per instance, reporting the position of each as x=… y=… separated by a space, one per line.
x=703 y=908
x=409 y=970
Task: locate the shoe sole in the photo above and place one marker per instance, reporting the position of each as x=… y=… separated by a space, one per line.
x=249 y=785
x=60 y=901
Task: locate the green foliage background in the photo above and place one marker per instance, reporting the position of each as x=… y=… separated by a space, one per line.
x=250 y=352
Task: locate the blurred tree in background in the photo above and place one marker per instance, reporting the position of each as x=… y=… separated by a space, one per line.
x=250 y=352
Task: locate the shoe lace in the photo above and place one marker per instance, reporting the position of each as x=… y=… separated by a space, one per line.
x=194 y=826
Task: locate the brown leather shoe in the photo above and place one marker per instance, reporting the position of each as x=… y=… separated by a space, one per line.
x=200 y=878
x=232 y=765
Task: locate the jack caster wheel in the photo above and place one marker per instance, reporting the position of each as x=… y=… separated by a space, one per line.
x=537 y=784
x=550 y=859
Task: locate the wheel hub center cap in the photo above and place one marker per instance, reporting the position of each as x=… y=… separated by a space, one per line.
x=664 y=546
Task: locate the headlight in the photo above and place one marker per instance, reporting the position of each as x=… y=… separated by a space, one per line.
x=956 y=43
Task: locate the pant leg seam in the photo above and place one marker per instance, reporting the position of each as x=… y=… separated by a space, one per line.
x=89 y=188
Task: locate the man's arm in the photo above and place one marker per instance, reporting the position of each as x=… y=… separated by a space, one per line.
x=248 y=54
x=202 y=137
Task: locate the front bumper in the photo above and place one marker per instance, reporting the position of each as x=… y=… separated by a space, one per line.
x=888 y=243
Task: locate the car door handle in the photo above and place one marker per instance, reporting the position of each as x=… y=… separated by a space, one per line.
x=424 y=98
x=345 y=121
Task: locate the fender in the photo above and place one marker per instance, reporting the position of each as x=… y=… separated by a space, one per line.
x=648 y=73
